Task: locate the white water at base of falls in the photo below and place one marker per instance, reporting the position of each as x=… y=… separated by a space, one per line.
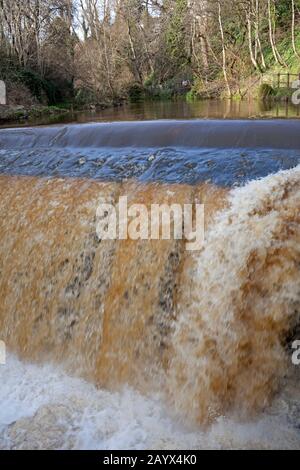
x=43 y=408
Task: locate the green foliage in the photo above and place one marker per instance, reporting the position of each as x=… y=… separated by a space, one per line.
x=170 y=88
x=176 y=34
x=39 y=87
x=283 y=12
x=15 y=114
x=163 y=93
x=191 y=96
x=283 y=93
x=286 y=50
x=265 y=92
x=135 y=93
x=202 y=90
x=87 y=98
x=150 y=81
x=196 y=90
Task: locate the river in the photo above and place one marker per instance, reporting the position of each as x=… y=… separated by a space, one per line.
x=180 y=109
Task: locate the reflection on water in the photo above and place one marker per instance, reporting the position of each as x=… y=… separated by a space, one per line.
x=180 y=109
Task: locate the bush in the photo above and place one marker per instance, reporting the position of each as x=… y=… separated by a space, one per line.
x=265 y=92
x=283 y=94
x=85 y=97
x=136 y=93
x=40 y=88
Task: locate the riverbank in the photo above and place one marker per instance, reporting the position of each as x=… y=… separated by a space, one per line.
x=9 y=114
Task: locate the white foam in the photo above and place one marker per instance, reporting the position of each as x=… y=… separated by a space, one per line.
x=244 y=300
x=42 y=407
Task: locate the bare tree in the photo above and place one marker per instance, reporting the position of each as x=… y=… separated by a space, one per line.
x=272 y=32
x=224 y=66
x=293 y=29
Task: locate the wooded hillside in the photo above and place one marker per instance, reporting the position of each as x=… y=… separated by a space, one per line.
x=102 y=51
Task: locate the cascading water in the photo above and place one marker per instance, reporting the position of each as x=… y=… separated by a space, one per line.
x=206 y=333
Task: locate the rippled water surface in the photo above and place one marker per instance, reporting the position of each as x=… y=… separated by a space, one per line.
x=220 y=166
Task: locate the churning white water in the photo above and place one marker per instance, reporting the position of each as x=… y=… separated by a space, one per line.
x=43 y=408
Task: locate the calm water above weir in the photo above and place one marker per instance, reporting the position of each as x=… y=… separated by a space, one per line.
x=181 y=109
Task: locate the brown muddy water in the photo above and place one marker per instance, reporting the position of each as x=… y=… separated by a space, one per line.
x=143 y=344
x=179 y=109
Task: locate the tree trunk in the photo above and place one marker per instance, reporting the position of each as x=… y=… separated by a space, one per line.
x=277 y=56
x=224 y=66
x=258 y=47
x=293 y=29
x=271 y=32
x=249 y=28
x=138 y=75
